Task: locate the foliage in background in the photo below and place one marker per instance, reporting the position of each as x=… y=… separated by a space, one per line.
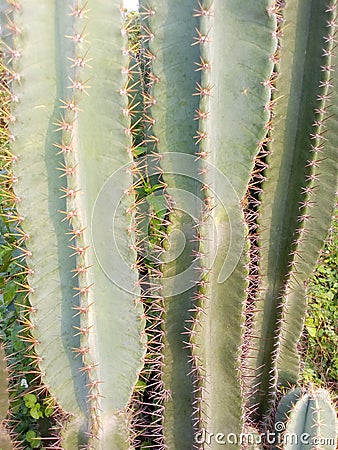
x=320 y=360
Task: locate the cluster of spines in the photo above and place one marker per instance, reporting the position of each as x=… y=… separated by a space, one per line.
x=146 y=406
x=251 y=203
x=204 y=13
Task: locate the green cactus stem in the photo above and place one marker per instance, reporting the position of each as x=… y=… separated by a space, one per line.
x=298 y=196
x=237 y=133
x=233 y=137
x=307 y=419
x=172 y=25
x=78 y=137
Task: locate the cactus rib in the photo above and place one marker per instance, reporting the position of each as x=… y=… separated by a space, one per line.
x=233 y=135
x=99 y=386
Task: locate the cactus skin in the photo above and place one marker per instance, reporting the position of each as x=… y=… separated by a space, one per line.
x=297 y=201
x=307 y=412
x=89 y=358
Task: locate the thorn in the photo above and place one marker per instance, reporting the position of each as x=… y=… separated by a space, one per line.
x=81 y=350
x=81 y=61
x=201 y=135
x=202 y=65
x=67 y=171
x=76 y=233
x=69 y=214
x=202 y=12
x=64 y=149
x=78 y=11
x=84 y=331
x=78 y=250
x=63 y=125
x=203 y=91
x=83 y=291
x=88 y=368
x=81 y=270
x=78 y=85
x=69 y=104
x=71 y=193
x=201 y=38
x=77 y=37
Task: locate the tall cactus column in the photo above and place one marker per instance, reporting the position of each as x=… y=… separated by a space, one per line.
x=222 y=131
x=298 y=195
x=69 y=136
x=233 y=112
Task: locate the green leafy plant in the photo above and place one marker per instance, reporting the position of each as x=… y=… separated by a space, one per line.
x=167 y=204
x=33 y=439
x=320 y=339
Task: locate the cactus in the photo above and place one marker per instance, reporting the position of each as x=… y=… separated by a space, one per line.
x=209 y=135
x=306 y=418
x=87 y=356
x=297 y=199
x=212 y=385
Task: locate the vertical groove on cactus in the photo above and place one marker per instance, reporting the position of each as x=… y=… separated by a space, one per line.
x=251 y=206
x=288 y=177
x=147 y=403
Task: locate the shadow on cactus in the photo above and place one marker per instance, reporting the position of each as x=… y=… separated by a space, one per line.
x=169 y=199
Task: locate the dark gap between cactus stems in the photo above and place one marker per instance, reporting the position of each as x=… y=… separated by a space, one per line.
x=143 y=407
